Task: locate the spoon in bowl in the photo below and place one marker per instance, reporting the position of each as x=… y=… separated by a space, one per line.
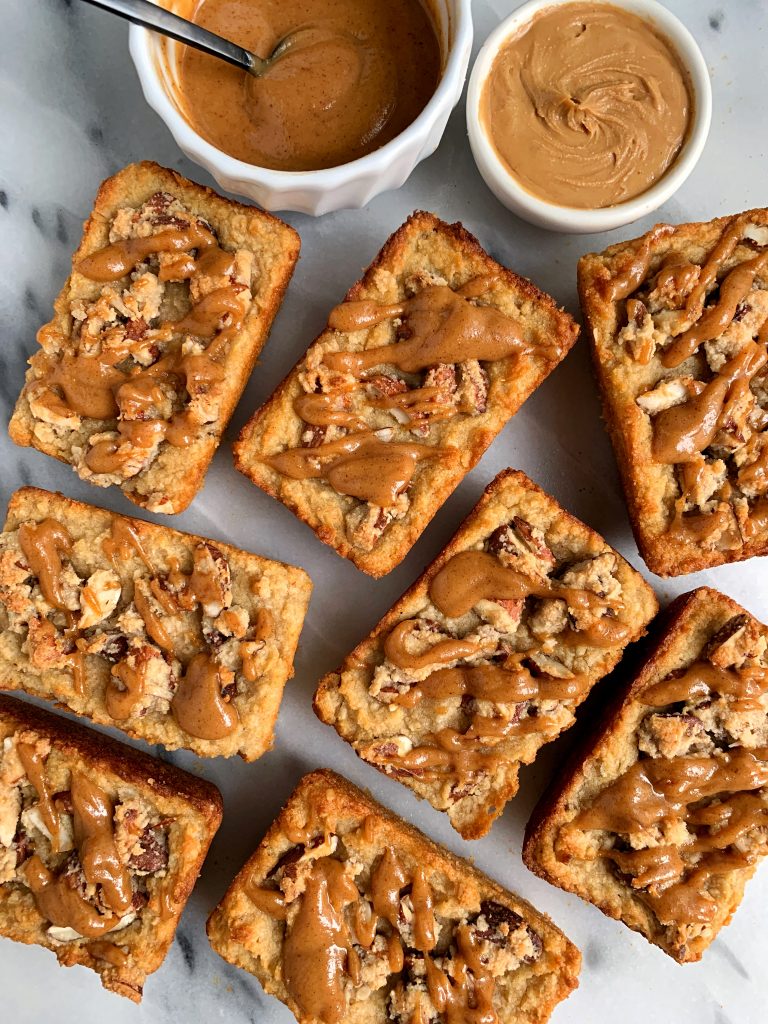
x=149 y=15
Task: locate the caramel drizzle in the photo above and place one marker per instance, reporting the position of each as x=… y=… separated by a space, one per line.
x=491 y=682
x=122 y=541
x=396 y=650
x=326 y=410
x=317 y=950
x=198 y=705
x=43 y=545
x=757 y=524
x=656 y=790
x=734 y=287
x=702 y=679
x=449 y=754
x=472 y=576
x=95 y=840
x=55 y=899
x=94 y=386
x=467 y=578
x=33 y=763
x=444 y=326
x=109 y=952
x=116 y=260
x=121 y=700
x=154 y=625
x=682 y=432
x=635 y=272
x=359 y=465
x=333 y=916
x=463 y=999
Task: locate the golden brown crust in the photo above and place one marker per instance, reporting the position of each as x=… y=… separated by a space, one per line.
x=650 y=489
x=604 y=750
x=174 y=477
x=342 y=699
x=192 y=806
x=281 y=590
x=246 y=936
x=423 y=244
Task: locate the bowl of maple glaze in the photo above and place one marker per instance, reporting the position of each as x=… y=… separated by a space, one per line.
x=347 y=185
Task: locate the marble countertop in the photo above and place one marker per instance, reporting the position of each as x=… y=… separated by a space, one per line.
x=72 y=113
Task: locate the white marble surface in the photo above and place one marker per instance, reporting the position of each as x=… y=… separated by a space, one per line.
x=71 y=114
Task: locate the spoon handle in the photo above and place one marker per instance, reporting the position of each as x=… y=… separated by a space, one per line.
x=149 y=15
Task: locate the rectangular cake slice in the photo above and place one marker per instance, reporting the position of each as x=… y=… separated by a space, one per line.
x=100 y=846
x=488 y=654
x=418 y=370
x=662 y=817
x=346 y=913
x=171 y=297
x=679 y=325
x=172 y=638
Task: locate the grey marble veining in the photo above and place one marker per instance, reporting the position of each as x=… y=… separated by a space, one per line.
x=72 y=112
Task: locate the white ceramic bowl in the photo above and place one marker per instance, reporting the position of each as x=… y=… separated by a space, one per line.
x=571 y=219
x=349 y=185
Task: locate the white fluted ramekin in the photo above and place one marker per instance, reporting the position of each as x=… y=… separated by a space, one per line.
x=349 y=185
x=571 y=219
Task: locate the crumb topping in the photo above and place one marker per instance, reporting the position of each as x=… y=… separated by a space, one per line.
x=141 y=365
x=692 y=808
x=355 y=925
x=89 y=859
x=696 y=333
x=492 y=666
x=156 y=641
x=372 y=418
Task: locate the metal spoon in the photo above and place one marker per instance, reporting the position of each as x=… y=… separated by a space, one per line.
x=149 y=15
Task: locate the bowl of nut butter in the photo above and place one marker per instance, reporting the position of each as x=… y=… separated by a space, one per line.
x=584 y=115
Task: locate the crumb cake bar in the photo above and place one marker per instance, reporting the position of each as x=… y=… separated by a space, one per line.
x=170 y=637
x=488 y=654
x=170 y=300
x=663 y=816
x=346 y=913
x=100 y=845
x=418 y=370
x=679 y=325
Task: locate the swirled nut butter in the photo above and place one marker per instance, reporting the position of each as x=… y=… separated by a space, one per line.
x=588 y=106
x=358 y=73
